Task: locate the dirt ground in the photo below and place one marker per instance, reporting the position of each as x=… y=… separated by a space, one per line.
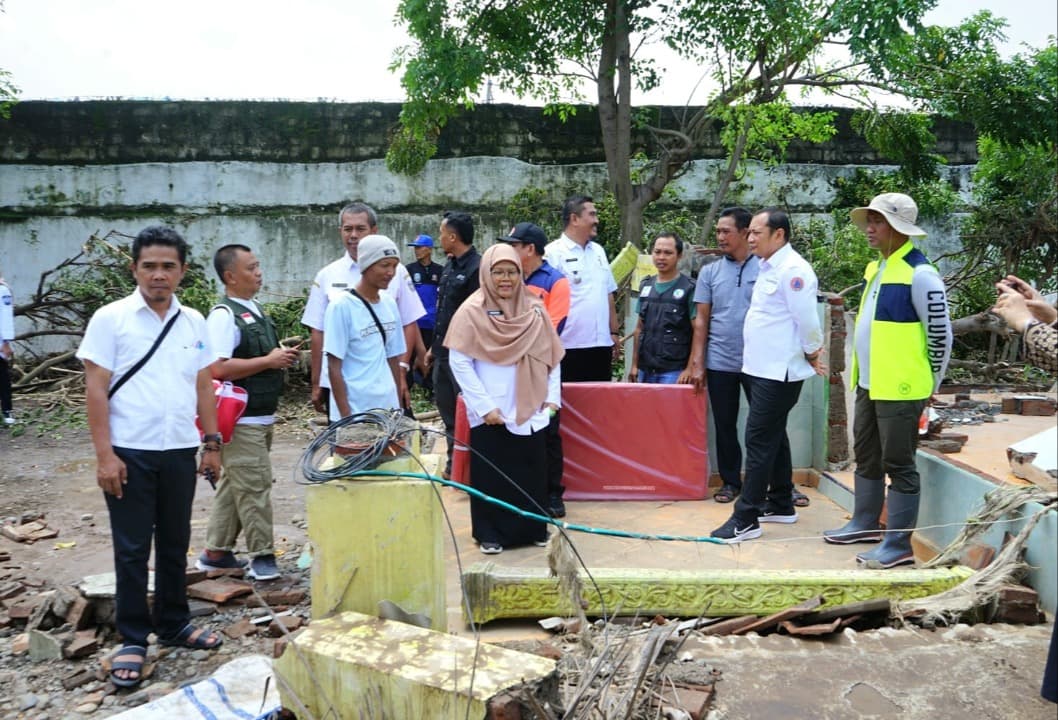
x=51 y=471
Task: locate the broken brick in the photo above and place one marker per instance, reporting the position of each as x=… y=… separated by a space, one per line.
x=11 y=589
x=20 y=644
x=77 y=679
x=281 y=622
x=195 y=575
x=977 y=556
x=80 y=613
x=225 y=572
x=84 y=643
x=240 y=629
x=28 y=532
x=279 y=646
x=290 y=596
x=503 y=707
x=219 y=591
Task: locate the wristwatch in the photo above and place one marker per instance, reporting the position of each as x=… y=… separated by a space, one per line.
x=213 y=437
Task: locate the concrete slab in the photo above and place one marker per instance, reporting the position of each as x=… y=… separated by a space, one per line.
x=984 y=671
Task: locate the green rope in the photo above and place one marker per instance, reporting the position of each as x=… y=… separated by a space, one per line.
x=609 y=532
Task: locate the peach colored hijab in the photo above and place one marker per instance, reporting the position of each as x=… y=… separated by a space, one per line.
x=515 y=331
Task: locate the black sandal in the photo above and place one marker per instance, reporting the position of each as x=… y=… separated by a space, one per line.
x=135 y=666
x=726 y=494
x=206 y=639
x=800 y=499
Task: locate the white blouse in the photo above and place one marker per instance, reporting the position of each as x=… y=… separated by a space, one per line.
x=486 y=387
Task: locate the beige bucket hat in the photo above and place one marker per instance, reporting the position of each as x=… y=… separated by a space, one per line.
x=899 y=210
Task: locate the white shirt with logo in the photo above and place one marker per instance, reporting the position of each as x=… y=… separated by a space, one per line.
x=590 y=285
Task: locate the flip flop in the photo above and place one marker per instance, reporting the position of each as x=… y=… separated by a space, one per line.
x=800 y=499
x=206 y=639
x=135 y=666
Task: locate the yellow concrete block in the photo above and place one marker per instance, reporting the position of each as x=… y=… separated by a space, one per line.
x=377 y=539
x=354 y=666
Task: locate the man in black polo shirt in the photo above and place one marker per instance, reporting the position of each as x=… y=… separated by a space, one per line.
x=458 y=281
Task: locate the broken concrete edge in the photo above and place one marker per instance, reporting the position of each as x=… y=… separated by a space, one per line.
x=391 y=669
x=952 y=491
x=495 y=592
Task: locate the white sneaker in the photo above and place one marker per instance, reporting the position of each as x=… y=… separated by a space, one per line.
x=8 y=419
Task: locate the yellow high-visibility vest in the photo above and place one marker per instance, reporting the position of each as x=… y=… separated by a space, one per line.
x=899 y=359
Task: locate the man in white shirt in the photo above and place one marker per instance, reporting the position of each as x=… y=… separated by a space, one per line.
x=244 y=341
x=362 y=337
x=142 y=419
x=782 y=347
x=591 y=327
x=355 y=222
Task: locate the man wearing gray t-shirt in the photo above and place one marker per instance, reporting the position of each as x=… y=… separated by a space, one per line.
x=722 y=295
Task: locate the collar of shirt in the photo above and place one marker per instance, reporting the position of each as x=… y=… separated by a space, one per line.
x=250 y=305
x=141 y=304
x=777 y=259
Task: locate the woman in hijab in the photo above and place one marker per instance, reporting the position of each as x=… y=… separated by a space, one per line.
x=505 y=356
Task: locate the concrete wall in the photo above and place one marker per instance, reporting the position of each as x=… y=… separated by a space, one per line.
x=273 y=175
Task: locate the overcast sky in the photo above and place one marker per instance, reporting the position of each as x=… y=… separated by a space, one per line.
x=299 y=50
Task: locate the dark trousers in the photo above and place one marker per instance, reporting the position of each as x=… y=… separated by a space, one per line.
x=5 y=385
x=588 y=365
x=445 y=390
x=725 y=398
x=414 y=377
x=885 y=436
x=156 y=505
x=769 y=467
x=555 y=461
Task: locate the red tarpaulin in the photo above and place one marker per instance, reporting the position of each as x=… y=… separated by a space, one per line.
x=625 y=441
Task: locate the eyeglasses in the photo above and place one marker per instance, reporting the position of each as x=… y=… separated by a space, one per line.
x=501 y=273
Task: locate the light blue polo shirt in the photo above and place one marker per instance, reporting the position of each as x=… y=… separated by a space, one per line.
x=728 y=286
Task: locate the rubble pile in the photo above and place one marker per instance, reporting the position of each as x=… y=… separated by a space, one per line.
x=56 y=641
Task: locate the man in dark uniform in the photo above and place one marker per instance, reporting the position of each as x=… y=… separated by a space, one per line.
x=458 y=281
x=426 y=276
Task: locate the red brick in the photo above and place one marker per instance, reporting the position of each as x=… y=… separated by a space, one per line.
x=218 y=591
x=503 y=707
x=84 y=644
x=240 y=629
x=290 y=596
x=977 y=556
x=290 y=622
x=80 y=613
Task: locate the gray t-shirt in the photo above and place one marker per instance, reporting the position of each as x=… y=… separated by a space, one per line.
x=727 y=286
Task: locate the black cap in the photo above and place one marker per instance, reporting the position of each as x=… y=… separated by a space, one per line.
x=528 y=233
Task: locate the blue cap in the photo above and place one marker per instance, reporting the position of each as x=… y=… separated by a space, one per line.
x=422 y=241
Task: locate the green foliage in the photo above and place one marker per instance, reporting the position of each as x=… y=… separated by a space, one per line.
x=1014 y=224
x=8 y=94
x=772 y=126
x=287 y=317
x=905 y=138
x=837 y=251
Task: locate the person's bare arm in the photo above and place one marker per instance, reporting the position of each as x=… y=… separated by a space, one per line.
x=239 y=368
x=316 y=361
x=633 y=367
x=207 y=418
x=699 y=340
x=110 y=470
x=338 y=390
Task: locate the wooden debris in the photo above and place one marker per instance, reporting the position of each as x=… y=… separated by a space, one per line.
x=730 y=625
x=878 y=605
x=790 y=613
x=811 y=630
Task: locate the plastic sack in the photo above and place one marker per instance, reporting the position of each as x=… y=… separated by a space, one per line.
x=231 y=403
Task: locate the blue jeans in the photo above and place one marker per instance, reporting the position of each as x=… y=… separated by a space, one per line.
x=666 y=377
